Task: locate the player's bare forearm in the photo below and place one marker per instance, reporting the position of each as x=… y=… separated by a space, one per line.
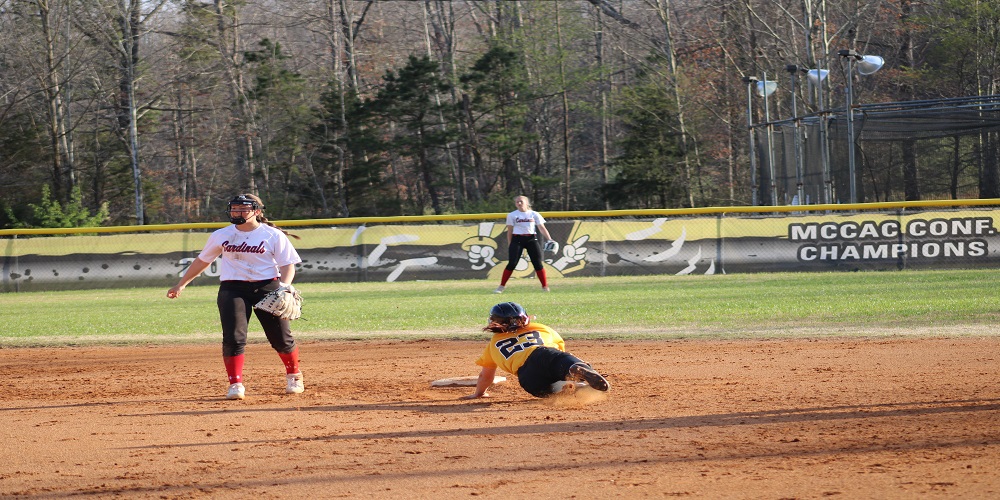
x=544 y=231
x=193 y=270
x=286 y=273
x=483 y=383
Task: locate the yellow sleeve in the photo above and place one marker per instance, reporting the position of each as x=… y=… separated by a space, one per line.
x=560 y=343
x=485 y=360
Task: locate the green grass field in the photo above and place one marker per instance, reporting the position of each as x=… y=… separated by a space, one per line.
x=733 y=306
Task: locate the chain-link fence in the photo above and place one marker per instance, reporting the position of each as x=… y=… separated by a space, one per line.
x=615 y=243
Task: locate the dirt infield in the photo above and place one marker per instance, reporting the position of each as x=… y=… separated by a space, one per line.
x=845 y=418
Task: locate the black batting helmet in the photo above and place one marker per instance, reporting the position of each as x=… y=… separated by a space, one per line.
x=248 y=200
x=243 y=200
x=507 y=317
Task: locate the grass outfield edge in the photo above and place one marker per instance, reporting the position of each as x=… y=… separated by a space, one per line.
x=908 y=303
x=829 y=332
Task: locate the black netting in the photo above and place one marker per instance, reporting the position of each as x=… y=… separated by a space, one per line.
x=944 y=149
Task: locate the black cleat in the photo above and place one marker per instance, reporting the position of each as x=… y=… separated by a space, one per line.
x=583 y=372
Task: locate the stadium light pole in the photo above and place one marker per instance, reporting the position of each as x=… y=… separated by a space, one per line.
x=816 y=78
x=765 y=88
x=867 y=65
x=793 y=72
x=751 y=81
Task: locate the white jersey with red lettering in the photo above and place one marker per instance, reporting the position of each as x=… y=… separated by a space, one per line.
x=249 y=255
x=524 y=222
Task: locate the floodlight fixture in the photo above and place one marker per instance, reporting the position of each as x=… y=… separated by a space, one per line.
x=816 y=76
x=766 y=87
x=868 y=65
x=849 y=53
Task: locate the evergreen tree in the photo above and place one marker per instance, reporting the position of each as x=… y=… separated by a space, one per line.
x=498 y=84
x=51 y=213
x=346 y=160
x=408 y=106
x=649 y=171
x=283 y=119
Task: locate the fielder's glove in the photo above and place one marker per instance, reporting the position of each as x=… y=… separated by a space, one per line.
x=551 y=246
x=285 y=303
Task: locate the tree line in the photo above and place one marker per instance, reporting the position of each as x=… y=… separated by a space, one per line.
x=158 y=111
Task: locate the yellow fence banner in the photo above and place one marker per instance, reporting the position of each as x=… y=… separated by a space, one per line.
x=609 y=244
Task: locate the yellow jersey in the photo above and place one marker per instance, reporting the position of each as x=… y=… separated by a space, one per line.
x=509 y=350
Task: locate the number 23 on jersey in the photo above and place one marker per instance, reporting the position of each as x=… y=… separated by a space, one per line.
x=509 y=346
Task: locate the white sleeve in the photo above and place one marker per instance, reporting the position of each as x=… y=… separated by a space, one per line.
x=213 y=247
x=284 y=252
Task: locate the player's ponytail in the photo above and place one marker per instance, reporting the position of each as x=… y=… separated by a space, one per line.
x=263 y=220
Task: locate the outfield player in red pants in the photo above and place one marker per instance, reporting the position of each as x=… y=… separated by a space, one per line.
x=255 y=258
x=522 y=226
x=533 y=352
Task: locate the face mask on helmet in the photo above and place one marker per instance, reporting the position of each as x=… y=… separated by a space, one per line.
x=241 y=201
x=507 y=317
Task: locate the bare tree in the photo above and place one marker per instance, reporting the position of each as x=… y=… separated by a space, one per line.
x=230 y=45
x=118 y=27
x=46 y=51
x=603 y=87
x=662 y=10
x=565 y=111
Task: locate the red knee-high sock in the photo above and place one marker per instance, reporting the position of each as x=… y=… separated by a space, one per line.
x=291 y=360
x=234 y=368
x=541 y=277
x=506 y=276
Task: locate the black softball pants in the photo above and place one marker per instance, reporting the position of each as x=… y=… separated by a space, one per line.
x=519 y=243
x=544 y=367
x=236 y=300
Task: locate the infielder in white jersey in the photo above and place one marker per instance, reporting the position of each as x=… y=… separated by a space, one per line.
x=256 y=258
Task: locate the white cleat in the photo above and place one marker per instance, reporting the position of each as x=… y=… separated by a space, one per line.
x=567 y=387
x=295 y=385
x=499 y=289
x=236 y=391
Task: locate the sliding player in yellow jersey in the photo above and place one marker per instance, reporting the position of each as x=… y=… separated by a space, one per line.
x=532 y=351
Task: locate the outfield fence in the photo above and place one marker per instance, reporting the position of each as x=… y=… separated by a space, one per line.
x=716 y=240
